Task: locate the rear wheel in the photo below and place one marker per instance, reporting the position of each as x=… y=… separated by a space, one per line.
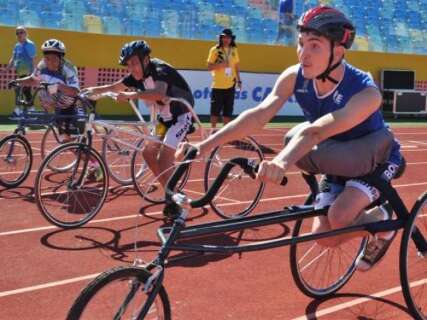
x=320 y=271
x=119 y=294
x=413 y=260
x=145 y=181
x=16 y=159
x=52 y=139
x=118 y=157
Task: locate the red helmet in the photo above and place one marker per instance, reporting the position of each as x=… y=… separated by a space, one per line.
x=330 y=23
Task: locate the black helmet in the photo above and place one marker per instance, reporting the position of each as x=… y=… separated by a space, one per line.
x=138 y=48
x=330 y=23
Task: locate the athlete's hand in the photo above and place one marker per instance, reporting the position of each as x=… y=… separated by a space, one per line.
x=182 y=150
x=12 y=84
x=126 y=96
x=271 y=171
x=90 y=92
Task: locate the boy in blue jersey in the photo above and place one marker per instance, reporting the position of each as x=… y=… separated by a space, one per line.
x=344 y=135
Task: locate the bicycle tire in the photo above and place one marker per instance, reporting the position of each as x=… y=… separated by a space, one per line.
x=48 y=136
x=122 y=177
x=297 y=271
x=119 y=273
x=68 y=199
x=144 y=180
x=410 y=287
x=11 y=141
x=247 y=148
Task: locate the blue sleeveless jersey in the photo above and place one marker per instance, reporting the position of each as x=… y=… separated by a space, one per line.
x=353 y=82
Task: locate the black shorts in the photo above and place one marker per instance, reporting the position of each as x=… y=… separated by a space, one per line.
x=222 y=101
x=71 y=120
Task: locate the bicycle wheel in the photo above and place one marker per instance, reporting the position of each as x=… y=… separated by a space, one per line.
x=16 y=159
x=240 y=193
x=118 y=294
x=321 y=271
x=413 y=260
x=71 y=198
x=147 y=184
x=119 y=159
x=51 y=139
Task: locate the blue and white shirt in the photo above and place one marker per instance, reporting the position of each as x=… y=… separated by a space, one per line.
x=67 y=75
x=315 y=106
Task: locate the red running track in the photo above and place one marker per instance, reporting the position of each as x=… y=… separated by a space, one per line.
x=43 y=268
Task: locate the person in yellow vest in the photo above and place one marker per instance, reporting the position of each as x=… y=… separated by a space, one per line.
x=223 y=62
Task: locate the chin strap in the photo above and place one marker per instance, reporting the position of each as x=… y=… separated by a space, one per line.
x=325 y=75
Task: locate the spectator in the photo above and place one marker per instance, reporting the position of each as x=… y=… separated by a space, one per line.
x=223 y=62
x=23 y=60
x=286 y=22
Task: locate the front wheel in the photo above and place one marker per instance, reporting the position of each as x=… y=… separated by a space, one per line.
x=119 y=294
x=240 y=193
x=16 y=159
x=413 y=260
x=71 y=198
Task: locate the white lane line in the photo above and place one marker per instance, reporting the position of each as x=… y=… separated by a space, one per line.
x=155 y=213
x=19 y=231
x=305 y=317
x=47 y=285
x=419 y=142
x=414 y=150
x=203 y=193
x=410 y=185
x=349 y=304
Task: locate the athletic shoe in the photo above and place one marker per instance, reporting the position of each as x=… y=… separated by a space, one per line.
x=94 y=173
x=377 y=245
x=98 y=174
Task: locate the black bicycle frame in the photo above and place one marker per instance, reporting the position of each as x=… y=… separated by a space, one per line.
x=170 y=235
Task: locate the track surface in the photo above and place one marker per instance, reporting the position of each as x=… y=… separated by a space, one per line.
x=43 y=268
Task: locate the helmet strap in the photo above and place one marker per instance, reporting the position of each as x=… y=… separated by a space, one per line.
x=325 y=75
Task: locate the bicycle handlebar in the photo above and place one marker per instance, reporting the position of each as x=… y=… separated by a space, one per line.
x=174 y=199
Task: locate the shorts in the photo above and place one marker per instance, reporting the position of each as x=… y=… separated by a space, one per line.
x=222 y=101
x=174 y=134
x=329 y=191
x=71 y=121
x=353 y=158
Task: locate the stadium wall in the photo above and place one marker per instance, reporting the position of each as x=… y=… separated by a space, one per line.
x=96 y=56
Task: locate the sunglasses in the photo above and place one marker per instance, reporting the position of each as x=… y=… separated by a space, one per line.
x=21 y=32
